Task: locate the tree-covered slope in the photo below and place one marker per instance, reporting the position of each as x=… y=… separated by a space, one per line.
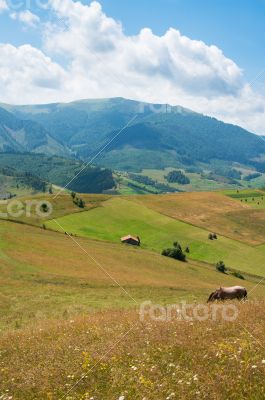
x=60 y=171
x=157 y=137
x=22 y=135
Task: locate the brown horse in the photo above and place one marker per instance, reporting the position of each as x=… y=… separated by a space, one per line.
x=229 y=293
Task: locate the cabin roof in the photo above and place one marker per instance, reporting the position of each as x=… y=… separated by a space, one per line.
x=129 y=237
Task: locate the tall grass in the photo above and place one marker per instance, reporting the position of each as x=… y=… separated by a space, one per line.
x=111 y=355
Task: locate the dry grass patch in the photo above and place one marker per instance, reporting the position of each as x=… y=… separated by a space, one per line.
x=114 y=354
x=213 y=211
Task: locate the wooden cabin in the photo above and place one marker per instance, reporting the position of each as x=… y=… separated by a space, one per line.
x=129 y=239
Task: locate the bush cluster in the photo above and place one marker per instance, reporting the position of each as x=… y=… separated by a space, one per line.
x=212 y=236
x=77 y=200
x=220 y=266
x=175 y=252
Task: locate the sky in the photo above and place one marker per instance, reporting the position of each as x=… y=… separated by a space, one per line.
x=204 y=55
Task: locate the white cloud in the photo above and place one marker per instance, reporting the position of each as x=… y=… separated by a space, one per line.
x=3 y=6
x=100 y=60
x=175 y=59
x=26 y=17
x=28 y=76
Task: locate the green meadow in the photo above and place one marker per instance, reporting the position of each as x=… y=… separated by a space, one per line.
x=118 y=217
x=45 y=274
x=253 y=198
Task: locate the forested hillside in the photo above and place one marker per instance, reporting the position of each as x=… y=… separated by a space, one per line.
x=22 y=135
x=158 y=136
x=59 y=171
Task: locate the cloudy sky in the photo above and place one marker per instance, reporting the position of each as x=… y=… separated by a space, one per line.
x=205 y=55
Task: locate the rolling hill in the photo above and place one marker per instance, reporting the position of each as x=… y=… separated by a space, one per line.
x=160 y=220
x=120 y=216
x=158 y=136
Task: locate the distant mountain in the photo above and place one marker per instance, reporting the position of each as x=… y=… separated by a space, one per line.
x=20 y=135
x=157 y=137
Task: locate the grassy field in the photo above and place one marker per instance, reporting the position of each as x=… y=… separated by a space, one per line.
x=45 y=274
x=214 y=211
x=60 y=205
x=69 y=305
x=253 y=198
x=117 y=356
x=197 y=182
x=118 y=217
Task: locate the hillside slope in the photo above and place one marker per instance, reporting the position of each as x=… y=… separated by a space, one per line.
x=22 y=135
x=118 y=217
x=67 y=277
x=80 y=318
x=61 y=171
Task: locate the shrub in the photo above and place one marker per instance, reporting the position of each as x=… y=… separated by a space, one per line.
x=81 y=203
x=238 y=275
x=187 y=250
x=78 y=201
x=220 y=266
x=212 y=236
x=175 y=252
x=166 y=252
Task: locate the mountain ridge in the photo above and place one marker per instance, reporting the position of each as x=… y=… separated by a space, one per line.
x=160 y=136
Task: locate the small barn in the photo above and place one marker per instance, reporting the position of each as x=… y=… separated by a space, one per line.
x=129 y=239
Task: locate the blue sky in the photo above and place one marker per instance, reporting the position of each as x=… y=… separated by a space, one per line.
x=235 y=26
x=206 y=62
